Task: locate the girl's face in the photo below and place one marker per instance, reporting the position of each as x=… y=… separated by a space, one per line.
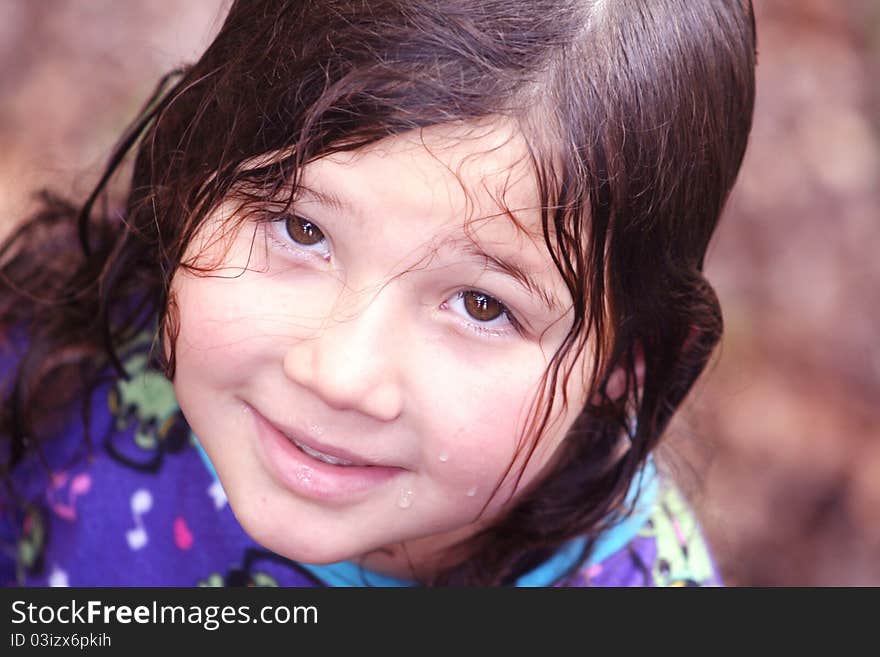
x=361 y=368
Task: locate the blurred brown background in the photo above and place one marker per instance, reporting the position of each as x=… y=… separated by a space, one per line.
x=783 y=432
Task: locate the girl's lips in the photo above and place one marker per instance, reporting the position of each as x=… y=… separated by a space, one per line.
x=307 y=476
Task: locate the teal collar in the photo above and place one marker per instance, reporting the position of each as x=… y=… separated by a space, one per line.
x=644 y=487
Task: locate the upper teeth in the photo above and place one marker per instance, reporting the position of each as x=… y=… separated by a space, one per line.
x=321 y=456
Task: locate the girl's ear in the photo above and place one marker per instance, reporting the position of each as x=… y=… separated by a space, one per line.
x=617 y=381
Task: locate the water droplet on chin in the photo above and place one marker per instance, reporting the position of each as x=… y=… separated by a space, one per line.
x=444 y=457
x=471 y=491
x=405 y=499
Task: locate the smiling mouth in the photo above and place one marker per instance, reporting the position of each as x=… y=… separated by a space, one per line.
x=325 y=473
x=321 y=456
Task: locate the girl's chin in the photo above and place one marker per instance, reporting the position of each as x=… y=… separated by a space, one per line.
x=258 y=516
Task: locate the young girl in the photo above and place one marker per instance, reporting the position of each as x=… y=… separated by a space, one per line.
x=404 y=292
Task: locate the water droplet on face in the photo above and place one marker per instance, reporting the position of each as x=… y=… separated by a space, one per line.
x=405 y=499
x=443 y=457
x=471 y=491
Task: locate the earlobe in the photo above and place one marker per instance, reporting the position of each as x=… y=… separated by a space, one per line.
x=616 y=385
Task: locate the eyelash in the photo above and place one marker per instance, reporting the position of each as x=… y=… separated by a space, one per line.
x=277 y=223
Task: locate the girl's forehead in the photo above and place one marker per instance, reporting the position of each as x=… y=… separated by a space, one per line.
x=467 y=174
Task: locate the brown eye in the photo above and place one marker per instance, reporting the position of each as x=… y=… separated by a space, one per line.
x=482 y=307
x=303 y=231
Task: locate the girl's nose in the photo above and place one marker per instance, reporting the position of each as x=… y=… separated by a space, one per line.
x=351 y=361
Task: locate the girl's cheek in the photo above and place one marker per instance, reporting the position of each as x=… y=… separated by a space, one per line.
x=496 y=449
x=473 y=453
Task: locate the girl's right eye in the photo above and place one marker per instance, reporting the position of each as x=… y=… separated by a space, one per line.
x=295 y=233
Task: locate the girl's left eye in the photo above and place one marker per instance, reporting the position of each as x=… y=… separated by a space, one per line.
x=481 y=306
x=298 y=233
x=483 y=314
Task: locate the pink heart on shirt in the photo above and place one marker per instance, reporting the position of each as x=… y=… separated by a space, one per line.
x=183 y=537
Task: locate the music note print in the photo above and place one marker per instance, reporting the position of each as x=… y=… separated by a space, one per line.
x=217 y=494
x=141 y=503
x=58 y=577
x=66 y=507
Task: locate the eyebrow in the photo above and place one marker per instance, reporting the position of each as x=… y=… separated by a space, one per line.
x=464 y=246
x=328 y=199
x=509 y=266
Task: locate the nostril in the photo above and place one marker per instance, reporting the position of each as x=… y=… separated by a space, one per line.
x=385 y=402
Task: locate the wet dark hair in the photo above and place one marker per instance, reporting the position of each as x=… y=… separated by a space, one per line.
x=637 y=116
